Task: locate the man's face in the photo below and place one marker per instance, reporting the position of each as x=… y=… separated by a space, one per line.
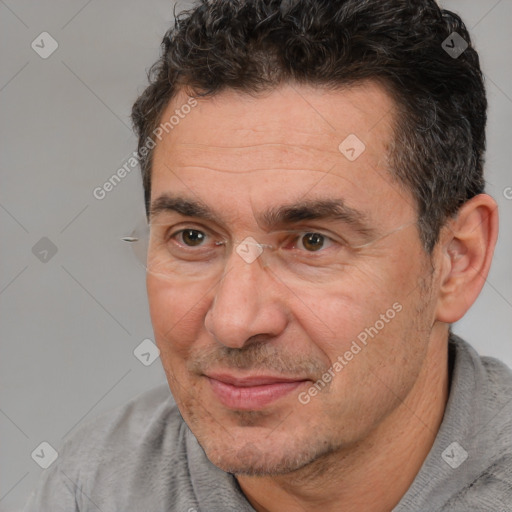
x=244 y=335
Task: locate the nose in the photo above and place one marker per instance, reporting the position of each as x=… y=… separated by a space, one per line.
x=247 y=303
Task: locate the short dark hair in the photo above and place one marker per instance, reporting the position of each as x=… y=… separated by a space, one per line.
x=255 y=45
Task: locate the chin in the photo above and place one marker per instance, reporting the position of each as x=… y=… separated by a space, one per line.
x=267 y=456
x=256 y=443
x=251 y=461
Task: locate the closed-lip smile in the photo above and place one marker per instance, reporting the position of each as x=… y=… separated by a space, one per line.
x=251 y=392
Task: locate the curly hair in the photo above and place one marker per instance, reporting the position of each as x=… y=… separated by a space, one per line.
x=255 y=45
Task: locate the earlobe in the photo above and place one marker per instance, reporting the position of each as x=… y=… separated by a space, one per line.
x=465 y=253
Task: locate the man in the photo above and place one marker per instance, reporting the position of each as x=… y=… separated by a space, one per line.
x=314 y=189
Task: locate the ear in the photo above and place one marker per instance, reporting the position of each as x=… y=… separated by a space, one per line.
x=466 y=248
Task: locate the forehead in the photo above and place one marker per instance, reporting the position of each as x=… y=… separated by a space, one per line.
x=285 y=144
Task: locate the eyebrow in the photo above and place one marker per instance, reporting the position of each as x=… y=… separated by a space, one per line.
x=181 y=205
x=333 y=209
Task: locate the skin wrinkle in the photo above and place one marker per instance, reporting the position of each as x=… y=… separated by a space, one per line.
x=294 y=170
x=370 y=420
x=205 y=336
x=253 y=156
x=170 y=374
x=227 y=171
x=275 y=218
x=273 y=169
x=240 y=152
x=415 y=84
x=249 y=146
x=249 y=418
x=336 y=139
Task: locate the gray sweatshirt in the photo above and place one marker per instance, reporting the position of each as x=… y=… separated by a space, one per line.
x=142 y=457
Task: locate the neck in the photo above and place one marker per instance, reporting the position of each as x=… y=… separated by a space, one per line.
x=375 y=473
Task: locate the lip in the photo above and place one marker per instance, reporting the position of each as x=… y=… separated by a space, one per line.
x=251 y=393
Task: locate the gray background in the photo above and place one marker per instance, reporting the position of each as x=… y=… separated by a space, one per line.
x=70 y=324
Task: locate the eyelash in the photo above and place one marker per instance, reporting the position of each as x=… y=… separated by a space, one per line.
x=298 y=236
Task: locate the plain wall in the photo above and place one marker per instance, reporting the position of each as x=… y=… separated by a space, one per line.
x=69 y=325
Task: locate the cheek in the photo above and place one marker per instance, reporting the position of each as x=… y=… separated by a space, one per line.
x=177 y=314
x=369 y=304
x=330 y=328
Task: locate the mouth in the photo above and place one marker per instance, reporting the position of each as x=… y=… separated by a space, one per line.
x=251 y=393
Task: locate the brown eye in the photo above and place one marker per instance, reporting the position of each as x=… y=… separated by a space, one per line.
x=192 y=237
x=313 y=241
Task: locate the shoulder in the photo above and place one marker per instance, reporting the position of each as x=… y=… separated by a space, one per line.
x=496 y=399
x=490 y=405
x=496 y=479
x=490 y=490
x=149 y=419
x=499 y=376
x=487 y=383
x=132 y=456
x=490 y=438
